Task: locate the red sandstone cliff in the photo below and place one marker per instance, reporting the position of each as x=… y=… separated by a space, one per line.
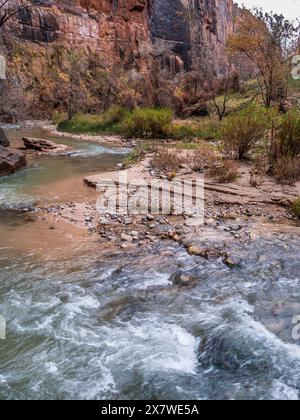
x=115 y=44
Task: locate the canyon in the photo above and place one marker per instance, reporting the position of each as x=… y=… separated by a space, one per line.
x=122 y=50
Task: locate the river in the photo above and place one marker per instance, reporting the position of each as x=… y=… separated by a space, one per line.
x=87 y=323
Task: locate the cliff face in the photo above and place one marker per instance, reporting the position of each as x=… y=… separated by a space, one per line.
x=113 y=43
x=193 y=30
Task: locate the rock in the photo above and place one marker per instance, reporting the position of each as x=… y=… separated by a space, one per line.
x=232 y=262
x=11 y=160
x=176 y=237
x=194 y=221
x=199 y=109
x=126 y=245
x=182 y=279
x=42 y=145
x=3 y=139
x=150 y=218
x=203 y=252
x=125 y=237
x=194 y=250
x=134 y=233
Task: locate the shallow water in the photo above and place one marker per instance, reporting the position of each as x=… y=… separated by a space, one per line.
x=83 y=323
x=56 y=178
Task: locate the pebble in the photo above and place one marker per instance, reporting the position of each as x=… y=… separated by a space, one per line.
x=125 y=237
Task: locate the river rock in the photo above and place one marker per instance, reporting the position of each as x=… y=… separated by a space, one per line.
x=232 y=262
x=3 y=139
x=182 y=279
x=44 y=146
x=11 y=160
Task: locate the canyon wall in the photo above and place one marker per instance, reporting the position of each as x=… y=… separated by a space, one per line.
x=117 y=47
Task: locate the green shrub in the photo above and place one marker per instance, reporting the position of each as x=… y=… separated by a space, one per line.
x=296 y=208
x=208 y=130
x=286 y=137
x=205 y=130
x=59 y=117
x=107 y=122
x=182 y=132
x=147 y=123
x=242 y=131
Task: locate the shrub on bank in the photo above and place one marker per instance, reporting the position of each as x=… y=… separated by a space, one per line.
x=285 y=140
x=242 y=131
x=147 y=123
x=283 y=149
x=296 y=208
x=286 y=170
x=205 y=130
x=106 y=122
x=224 y=171
x=165 y=160
x=137 y=154
x=59 y=117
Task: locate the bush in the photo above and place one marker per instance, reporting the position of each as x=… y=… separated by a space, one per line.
x=224 y=171
x=206 y=130
x=148 y=123
x=203 y=157
x=258 y=171
x=182 y=132
x=286 y=170
x=296 y=208
x=107 y=122
x=167 y=161
x=59 y=117
x=286 y=137
x=242 y=131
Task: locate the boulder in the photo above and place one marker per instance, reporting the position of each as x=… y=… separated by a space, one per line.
x=3 y=139
x=11 y=160
x=44 y=146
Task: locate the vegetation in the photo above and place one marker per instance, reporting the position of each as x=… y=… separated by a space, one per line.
x=242 y=131
x=284 y=148
x=147 y=123
x=224 y=171
x=137 y=154
x=267 y=41
x=108 y=122
x=167 y=161
x=296 y=208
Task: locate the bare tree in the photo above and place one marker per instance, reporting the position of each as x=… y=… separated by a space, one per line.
x=9 y=9
x=222 y=85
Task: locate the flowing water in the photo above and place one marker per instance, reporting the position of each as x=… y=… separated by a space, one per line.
x=86 y=323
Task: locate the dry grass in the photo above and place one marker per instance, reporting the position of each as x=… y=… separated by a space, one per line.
x=167 y=161
x=258 y=172
x=287 y=170
x=224 y=171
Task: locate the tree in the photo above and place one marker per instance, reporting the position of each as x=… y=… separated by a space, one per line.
x=220 y=86
x=9 y=9
x=268 y=42
x=75 y=96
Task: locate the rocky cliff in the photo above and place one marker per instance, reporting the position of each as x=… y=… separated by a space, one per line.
x=115 y=47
